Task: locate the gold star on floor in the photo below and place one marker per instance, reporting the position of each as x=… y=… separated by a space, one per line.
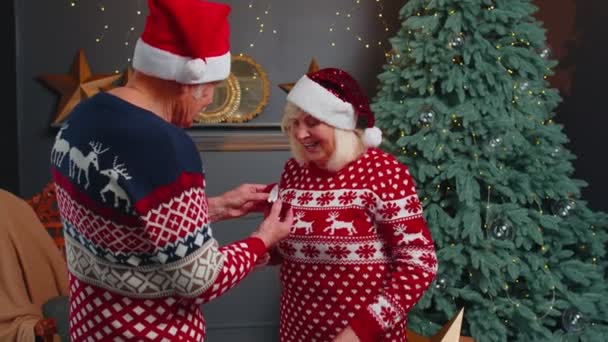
x=76 y=86
x=450 y=332
x=311 y=68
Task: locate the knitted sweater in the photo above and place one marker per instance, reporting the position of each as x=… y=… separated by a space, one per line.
x=141 y=257
x=359 y=254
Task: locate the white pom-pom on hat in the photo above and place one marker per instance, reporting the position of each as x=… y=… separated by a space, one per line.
x=372 y=137
x=187 y=41
x=193 y=70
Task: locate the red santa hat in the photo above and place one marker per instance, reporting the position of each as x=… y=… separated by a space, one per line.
x=334 y=97
x=185 y=41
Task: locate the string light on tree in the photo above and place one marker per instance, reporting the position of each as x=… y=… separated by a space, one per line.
x=520 y=257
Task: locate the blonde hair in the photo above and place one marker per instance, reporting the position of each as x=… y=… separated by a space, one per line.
x=348 y=143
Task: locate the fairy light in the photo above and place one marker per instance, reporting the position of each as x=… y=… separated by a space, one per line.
x=486 y=224
x=129 y=39
x=262 y=19
x=347 y=17
x=526 y=295
x=103 y=33
x=106 y=28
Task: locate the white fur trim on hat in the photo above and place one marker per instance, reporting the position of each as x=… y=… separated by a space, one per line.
x=372 y=137
x=168 y=66
x=319 y=102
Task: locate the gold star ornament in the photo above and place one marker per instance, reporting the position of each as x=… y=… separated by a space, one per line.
x=448 y=333
x=76 y=86
x=125 y=76
x=313 y=67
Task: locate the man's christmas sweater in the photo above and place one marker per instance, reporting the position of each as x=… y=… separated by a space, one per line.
x=359 y=254
x=141 y=257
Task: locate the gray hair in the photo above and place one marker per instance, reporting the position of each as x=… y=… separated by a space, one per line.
x=348 y=143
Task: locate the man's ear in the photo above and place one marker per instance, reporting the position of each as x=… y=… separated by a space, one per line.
x=197 y=91
x=207 y=91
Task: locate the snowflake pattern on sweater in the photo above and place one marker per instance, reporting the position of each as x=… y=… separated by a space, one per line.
x=141 y=256
x=359 y=254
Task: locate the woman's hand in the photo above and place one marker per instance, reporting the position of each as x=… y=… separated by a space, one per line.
x=275 y=227
x=347 y=335
x=237 y=202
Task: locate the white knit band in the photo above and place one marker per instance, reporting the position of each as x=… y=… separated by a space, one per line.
x=168 y=66
x=319 y=102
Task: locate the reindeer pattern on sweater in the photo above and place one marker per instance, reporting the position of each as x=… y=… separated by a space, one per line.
x=360 y=253
x=141 y=256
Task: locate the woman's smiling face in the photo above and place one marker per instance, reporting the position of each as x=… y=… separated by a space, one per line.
x=315 y=138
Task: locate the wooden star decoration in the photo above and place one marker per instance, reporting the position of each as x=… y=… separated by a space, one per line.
x=125 y=77
x=311 y=68
x=76 y=86
x=448 y=333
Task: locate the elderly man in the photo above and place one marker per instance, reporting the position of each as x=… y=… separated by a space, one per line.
x=131 y=190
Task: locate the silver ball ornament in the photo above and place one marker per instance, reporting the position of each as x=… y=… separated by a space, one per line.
x=573 y=320
x=457 y=41
x=501 y=229
x=495 y=142
x=427 y=116
x=563 y=208
x=441 y=283
x=545 y=53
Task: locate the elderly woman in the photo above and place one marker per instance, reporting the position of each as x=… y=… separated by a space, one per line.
x=359 y=255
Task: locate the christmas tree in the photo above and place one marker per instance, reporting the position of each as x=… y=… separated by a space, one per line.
x=465 y=103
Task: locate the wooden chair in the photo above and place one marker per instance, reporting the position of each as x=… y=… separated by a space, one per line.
x=45 y=329
x=45 y=206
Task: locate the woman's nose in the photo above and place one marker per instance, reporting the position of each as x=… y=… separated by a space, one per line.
x=301 y=132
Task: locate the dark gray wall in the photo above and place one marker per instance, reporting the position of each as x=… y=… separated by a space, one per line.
x=250 y=311
x=9 y=166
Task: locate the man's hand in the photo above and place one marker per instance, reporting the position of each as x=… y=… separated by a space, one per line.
x=237 y=202
x=275 y=227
